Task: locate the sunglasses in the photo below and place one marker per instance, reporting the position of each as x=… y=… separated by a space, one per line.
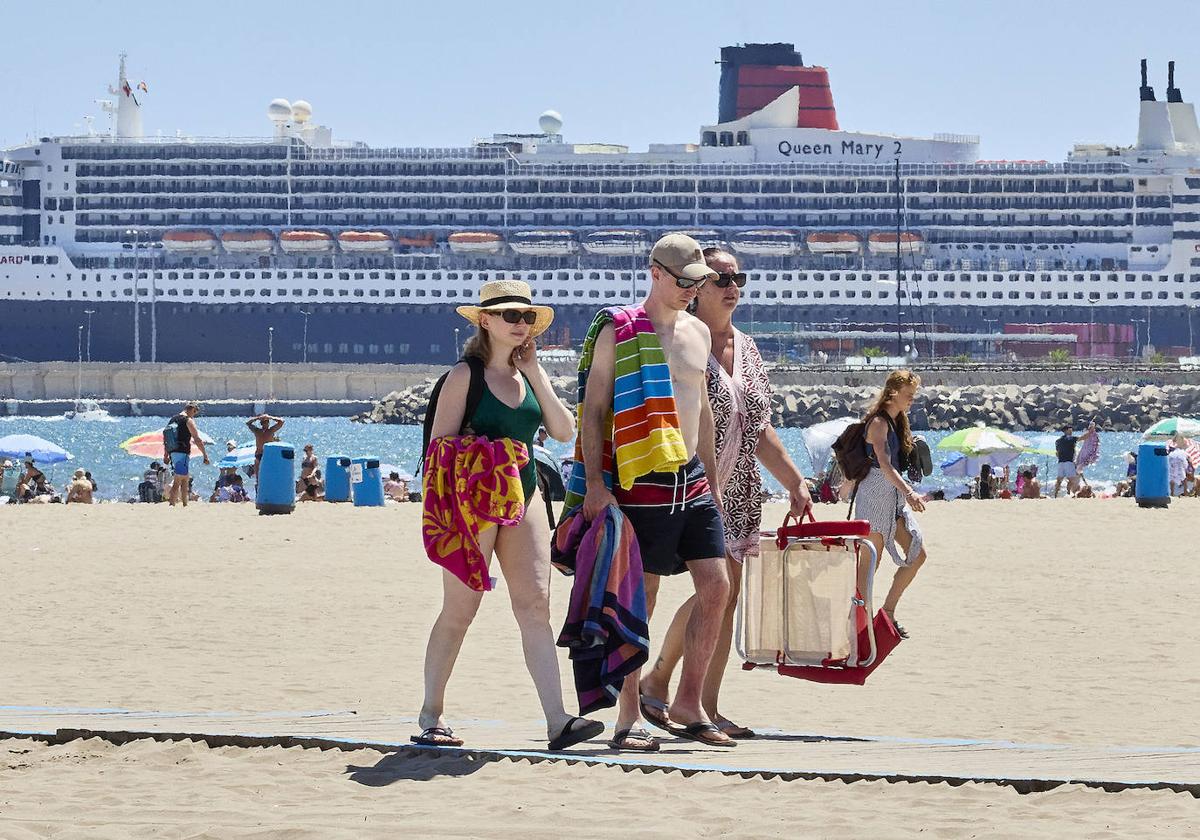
x=723 y=280
x=682 y=282
x=516 y=316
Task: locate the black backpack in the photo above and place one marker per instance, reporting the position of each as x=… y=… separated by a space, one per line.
x=474 y=395
x=850 y=450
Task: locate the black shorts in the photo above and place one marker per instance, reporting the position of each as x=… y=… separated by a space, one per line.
x=674 y=517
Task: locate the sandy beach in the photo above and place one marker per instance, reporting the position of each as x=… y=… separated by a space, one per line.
x=1047 y=623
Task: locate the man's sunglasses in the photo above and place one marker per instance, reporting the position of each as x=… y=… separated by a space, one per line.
x=723 y=280
x=516 y=316
x=682 y=282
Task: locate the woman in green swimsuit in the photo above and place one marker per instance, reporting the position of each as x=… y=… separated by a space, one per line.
x=517 y=399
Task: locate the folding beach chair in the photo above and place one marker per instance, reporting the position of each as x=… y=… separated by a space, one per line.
x=800 y=612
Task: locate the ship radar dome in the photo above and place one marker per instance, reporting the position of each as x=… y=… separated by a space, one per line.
x=280 y=110
x=550 y=122
x=301 y=111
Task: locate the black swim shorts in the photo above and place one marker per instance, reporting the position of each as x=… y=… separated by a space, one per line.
x=675 y=518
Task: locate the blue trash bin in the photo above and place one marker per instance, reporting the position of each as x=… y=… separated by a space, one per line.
x=367 y=482
x=1153 y=488
x=277 y=479
x=337 y=478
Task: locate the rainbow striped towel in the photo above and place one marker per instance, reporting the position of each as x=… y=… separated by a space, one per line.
x=643 y=434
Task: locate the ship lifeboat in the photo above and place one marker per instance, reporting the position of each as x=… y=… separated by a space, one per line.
x=766 y=243
x=248 y=241
x=617 y=243
x=416 y=241
x=190 y=241
x=706 y=238
x=543 y=243
x=828 y=242
x=475 y=242
x=885 y=243
x=365 y=241
x=305 y=242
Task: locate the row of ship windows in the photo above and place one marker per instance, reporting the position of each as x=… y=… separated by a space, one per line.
x=567 y=276
x=612 y=294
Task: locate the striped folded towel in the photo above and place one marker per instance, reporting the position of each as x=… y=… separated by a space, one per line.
x=642 y=434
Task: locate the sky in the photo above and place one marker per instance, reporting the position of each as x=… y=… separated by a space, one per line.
x=1031 y=78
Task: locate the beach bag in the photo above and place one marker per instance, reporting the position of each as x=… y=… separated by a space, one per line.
x=171 y=437
x=474 y=395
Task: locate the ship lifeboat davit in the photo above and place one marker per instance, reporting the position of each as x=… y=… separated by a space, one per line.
x=829 y=242
x=766 y=243
x=475 y=242
x=706 y=238
x=617 y=243
x=365 y=241
x=190 y=241
x=248 y=241
x=543 y=243
x=885 y=243
x=305 y=242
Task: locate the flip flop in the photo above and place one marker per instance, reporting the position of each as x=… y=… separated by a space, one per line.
x=738 y=733
x=437 y=736
x=900 y=631
x=655 y=712
x=704 y=733
x=571 y=735
x=622 y=738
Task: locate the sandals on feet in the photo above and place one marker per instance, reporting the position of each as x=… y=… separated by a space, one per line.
x=705 y=733
x=900 y=631
x=572 y=734
x=738 y=733
x=633 y=739
x=437 y=736
x=655 y=712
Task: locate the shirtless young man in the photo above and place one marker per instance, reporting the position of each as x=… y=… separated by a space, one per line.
x=266 y=430
x=676 y=516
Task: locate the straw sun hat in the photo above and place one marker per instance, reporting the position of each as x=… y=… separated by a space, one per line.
x=498 y=295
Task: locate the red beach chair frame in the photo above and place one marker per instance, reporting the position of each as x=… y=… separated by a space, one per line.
x=830 y=534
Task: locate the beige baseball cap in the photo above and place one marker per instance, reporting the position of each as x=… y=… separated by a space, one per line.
x=682 y=256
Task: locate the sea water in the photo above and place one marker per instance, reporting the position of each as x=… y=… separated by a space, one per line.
x=96 y=447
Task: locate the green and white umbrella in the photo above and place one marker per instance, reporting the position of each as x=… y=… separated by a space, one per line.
x=1168 y=427
x=983 y=440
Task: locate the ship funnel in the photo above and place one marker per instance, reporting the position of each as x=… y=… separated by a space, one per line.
x=1147 y=92
x=1173 y=94
x=1183 y=117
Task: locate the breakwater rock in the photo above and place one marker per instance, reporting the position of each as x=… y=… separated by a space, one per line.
x=1115 y=408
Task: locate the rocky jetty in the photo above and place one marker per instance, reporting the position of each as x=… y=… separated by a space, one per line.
x=1115 y=408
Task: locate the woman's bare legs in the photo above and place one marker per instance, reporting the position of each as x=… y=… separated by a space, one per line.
x=904 y=574
x=459 y=605
x=524 y=554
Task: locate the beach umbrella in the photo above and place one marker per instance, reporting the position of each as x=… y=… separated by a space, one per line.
x=31 y=446
x=1042 y=444
x=150 y=444
x=243 y=456
x=1168 y=427
x=959 y=465
x=550 y=474
x=982 y=440
x=818 y=440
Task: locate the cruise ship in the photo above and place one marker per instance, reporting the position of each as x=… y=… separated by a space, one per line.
x=127 y=247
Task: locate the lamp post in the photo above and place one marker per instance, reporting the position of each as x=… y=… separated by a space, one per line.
x=304 y=346
x=271 y=363
x=79 y=366
x=456 y=350
x=1191 y=344
x=1137 y=336
x=137 y=338
x=988 y=338
x=89 y=313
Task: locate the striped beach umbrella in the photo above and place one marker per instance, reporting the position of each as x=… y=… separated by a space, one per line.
x=983 y=440
x=1168 y=427
x=150 y=444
